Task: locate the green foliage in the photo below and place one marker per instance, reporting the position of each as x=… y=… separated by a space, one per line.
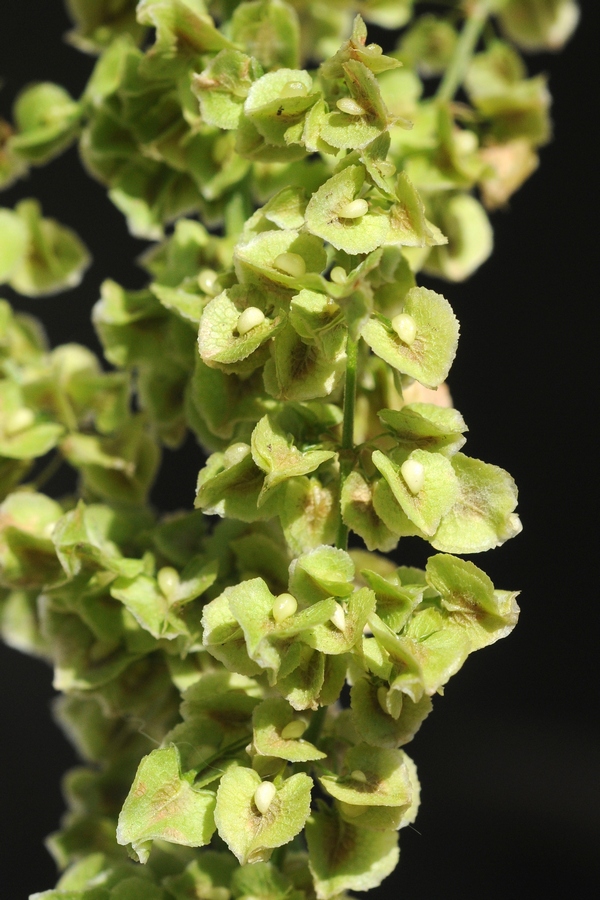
x=282 y=325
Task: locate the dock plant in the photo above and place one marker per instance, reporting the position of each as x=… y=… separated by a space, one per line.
x=241 y=678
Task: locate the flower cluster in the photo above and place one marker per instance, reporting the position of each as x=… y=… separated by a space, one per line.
x=295 y=184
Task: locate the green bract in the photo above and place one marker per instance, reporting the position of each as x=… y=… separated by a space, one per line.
x=163 y=804
x=249 y=833
x=294 y=180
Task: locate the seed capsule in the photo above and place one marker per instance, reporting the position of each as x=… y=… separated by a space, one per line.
x=251 y=318
x=207 y=279
x=351 y=811
x=386 y=168
x=264 y=796
x=294 y=89
x=511 y=527
x=350 y=107
x=413 y=474
x=382 y=698
x=338 y=275
x=285 y=605
x=235 y=454
x=354 y=210
x=357 y=775
x=338 y=618
x=19 y=421
x=405 y=327
x=290 y=264
x=168 y=580
x=293 y=730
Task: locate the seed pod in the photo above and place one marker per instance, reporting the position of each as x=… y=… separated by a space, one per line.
x=350 y=107
x=264 y=796
x=382 y=698
x=290 y=264
x=235 y=453
x=338 y=618
x=207 y=280
x=19 y=421
x=351 y=811
x=293 y=730
x=168 y=580
x=338 y=275
x=359 y=776
x=354 y=210
x=249 y=319
x=414 y=475
x=294 y=89
x=285 y=605
x=405 y=327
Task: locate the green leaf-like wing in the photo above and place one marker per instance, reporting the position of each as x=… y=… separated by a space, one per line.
x=163 y=805
x=345 y=857
x=429 y=357
x=250 y=835
x=324 y=214
x=437 y=495
x=482 y=515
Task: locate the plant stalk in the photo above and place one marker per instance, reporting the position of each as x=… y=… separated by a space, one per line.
x=477 y=16
x=346 y=455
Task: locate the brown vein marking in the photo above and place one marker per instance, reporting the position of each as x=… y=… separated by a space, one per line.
x=140 y=789
x=317 y=505
x=340 y=841
x=303 y=360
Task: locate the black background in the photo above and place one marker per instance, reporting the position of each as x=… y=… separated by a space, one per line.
x=509 y=761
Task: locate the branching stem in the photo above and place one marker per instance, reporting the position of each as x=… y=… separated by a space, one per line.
x=346 y=460
x=477 y=15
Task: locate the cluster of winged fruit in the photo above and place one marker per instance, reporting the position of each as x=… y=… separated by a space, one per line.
x=304 y=178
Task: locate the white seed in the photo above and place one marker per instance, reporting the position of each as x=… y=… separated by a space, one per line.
x=293 y=730
x=350 y=107
x=207 y=279
x=511 y=527
x=405 y=327
x=353 y=210
x=357 y=775
x=168 y=580
x=414 y=475
x=386 y=168
x=285 y=605
x=338 y=275
x=351 y=811
x=264 y=796
x=338 y=618
x=382 y=698
x=294 y=89
x=515 y=524
x=290 y=264
x=19 y=421
x=235 y=454
x=251 y=318
x=466 y=141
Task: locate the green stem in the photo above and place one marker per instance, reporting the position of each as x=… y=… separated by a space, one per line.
x=313 y=731
x=47 y=472
x=230 y=750
x=346 y=454
x=465 y=47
